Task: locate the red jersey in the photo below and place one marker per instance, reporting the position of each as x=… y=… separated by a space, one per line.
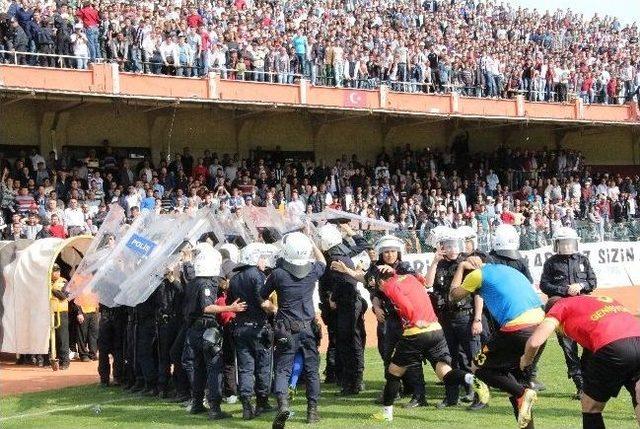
x=594 y=321
x=227 y=316
x=409 y=297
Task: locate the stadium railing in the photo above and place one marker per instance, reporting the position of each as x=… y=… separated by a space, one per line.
x=530 y=237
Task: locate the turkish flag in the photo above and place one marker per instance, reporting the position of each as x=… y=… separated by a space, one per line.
x=354 y=98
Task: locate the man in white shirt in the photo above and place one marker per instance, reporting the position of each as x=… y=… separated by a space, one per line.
x=492 y=182
x=74 y=218
x=295 y=208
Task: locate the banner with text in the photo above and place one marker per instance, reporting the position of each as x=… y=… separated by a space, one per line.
x=616 y=264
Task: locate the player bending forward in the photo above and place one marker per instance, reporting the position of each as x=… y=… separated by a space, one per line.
x=422 y=338
x=610 y=337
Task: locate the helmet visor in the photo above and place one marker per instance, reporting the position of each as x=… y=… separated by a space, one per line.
x=565 y=246
x=452 y=246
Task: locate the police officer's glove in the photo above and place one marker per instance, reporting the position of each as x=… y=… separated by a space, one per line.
x=266 y=337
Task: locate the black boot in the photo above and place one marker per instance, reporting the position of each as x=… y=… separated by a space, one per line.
x=138 y=387
x=263 y=406
x=248 y=413
x=196 y=407
x=312 y=414
x=283 y=404
x=280 y=420
x=216 y=413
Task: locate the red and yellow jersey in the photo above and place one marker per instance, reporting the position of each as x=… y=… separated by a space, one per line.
x=594 y=321
x=409 y=297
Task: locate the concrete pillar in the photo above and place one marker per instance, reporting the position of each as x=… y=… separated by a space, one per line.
x=383 y=91
x=520 y=107
x=304 y=90
x=579 y=108
x=455 y=102
x=214 y=87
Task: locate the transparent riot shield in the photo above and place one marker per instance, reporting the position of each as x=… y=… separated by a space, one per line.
x=97 y=254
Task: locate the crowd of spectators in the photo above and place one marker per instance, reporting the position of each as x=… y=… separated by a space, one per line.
x=488 y=48
x=63 y=195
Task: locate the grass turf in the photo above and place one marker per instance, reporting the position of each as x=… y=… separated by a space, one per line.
x=95 y=407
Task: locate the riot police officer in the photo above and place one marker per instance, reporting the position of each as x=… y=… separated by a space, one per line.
x=461 y=327
x=506 y=243
x=568 y=273
x=169 y=298
x=145 y=336
x=349 y=311
x=294 y=280
x=252 y=333
x=201 y=357
x=110 y=342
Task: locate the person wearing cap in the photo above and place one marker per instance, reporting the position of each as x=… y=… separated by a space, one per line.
x=294 y=280
x=568 y=273
x=252 y=334
x=60 y=309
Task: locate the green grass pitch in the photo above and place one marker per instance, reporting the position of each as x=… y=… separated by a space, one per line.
x=94 y=407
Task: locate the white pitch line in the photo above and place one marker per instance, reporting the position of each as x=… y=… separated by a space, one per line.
x=54 y=410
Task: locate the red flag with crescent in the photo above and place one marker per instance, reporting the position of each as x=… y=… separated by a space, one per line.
x=355 y=98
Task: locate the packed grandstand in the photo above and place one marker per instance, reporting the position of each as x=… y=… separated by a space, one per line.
x=151 y=149
x=487 y=49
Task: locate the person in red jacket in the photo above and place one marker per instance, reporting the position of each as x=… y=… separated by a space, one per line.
x=422 y=338
x=90 y=17
x=610 y=337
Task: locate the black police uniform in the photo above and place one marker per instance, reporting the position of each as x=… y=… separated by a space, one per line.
x=456 y=319
x=558 y=272
x=203 y=366
x=349 y=320
x=133 y=378
x=110 y=342
x=295 y=330
x=169 y=317
x=332 y=372
x=252 y=337
x=145 y=339
x=389 y=333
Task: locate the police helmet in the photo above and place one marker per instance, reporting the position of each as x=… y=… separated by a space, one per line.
x=207 y=260
x=389 y=242
x=330 y=236
x=565 y=241
x=506 y=241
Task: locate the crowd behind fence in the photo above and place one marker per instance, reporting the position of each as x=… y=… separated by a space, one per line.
x=530 y=237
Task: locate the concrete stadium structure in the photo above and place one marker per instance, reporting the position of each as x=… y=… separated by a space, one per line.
x=52 y=108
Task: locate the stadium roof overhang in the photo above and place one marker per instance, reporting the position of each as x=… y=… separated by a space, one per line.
x=327 y=114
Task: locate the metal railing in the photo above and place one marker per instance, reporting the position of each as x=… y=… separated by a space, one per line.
x=530 y=237
x=596 y=95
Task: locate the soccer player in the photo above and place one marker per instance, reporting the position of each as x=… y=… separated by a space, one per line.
x=517 y=309
x=422 y=338
x=610 y=337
